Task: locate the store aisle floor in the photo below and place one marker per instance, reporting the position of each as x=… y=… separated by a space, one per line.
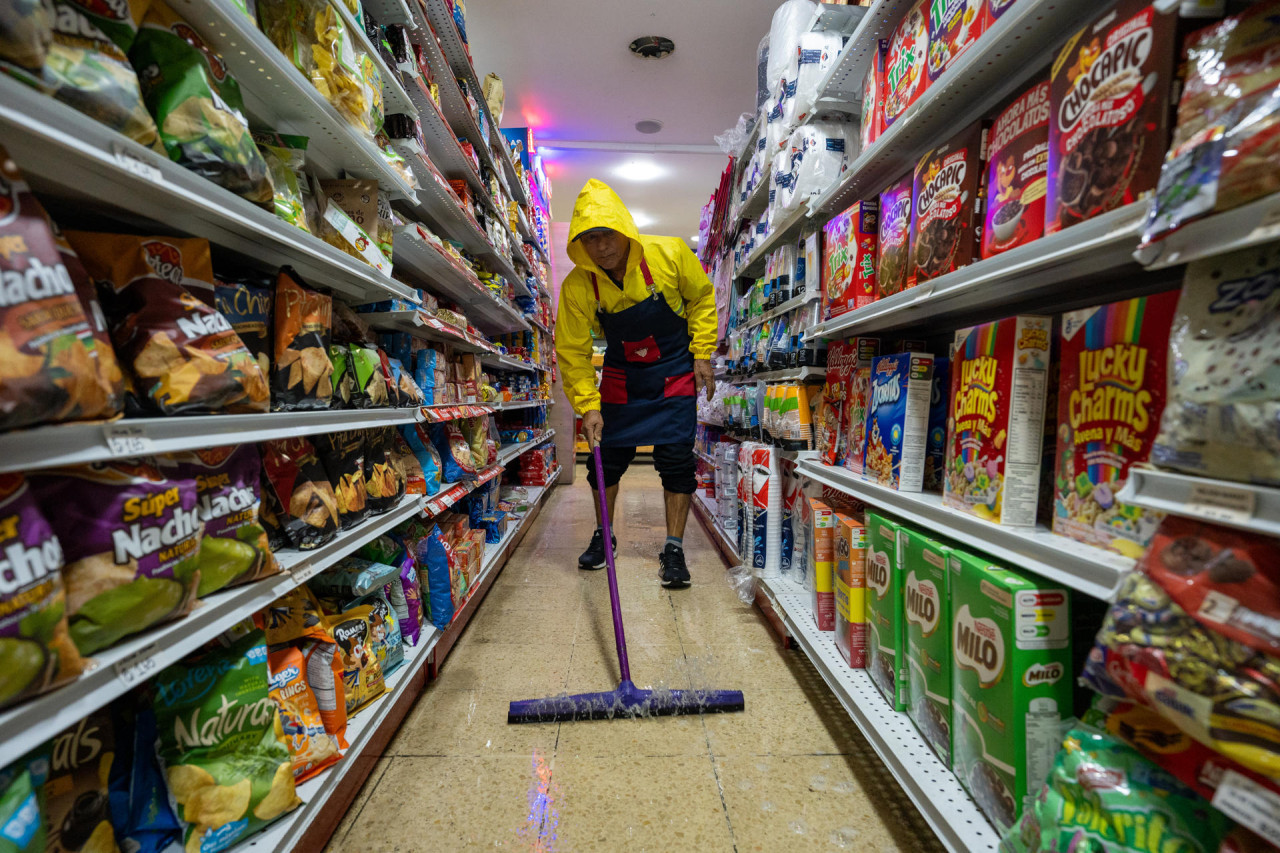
x=790 y=773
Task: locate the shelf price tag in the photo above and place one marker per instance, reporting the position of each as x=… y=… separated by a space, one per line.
x=135 y=165
x=1221 y=502
x=139 y=666
x=1250 y=804
x=125 y=439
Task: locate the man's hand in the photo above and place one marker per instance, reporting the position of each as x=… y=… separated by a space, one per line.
x=592 y=427
x=704 y=377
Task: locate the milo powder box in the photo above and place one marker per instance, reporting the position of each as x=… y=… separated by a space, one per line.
x=1010 y=684
x=927 y=610
x=885 y=637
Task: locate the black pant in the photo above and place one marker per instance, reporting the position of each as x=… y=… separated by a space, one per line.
x=675 y=464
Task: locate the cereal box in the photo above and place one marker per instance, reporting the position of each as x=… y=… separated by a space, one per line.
x=898 y=420
x=1010 y=681
x=851 y=589
x=843 y=395
x=823 y=565
x=1018 y=162
x=849 y=258
x=927 y=609
x=995 y=429
x=894 y=261
x=935 y=450
x=906 y=73
x=954 y=26
x=886 y=646
x=946 y=221
x=996 y=8
x=873 y=96
x=865 y=351
x=1109 y=93
x=1111 y=394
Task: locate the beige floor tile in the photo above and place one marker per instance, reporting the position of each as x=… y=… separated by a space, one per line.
x=515 y=592
x=357 y=805
x=780 y=722
x=720 y=627
x=514 y=668
x=468 y=722
x=643 y=593
x=651 y=626
x=625 y=736
x=517 y=625
x=645 y=804
x=760 y=664
x=595 y=666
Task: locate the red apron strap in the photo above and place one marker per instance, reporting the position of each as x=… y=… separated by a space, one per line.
x=595 y=285
x=648 y=277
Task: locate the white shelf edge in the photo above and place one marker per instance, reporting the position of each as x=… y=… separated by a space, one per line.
x=1244 y=506
x=703 y=503
x=510 y=452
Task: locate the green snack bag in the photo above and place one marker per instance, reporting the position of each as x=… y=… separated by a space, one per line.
x=886 y=637
x=927 y=607
x=1010 y=681
x=285 y=156
x=21 y=810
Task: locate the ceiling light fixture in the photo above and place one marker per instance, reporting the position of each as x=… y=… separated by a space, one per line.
x=642 y=219
x=652 y=47
x=648 y=125
x=639 y=170
x=696 y=238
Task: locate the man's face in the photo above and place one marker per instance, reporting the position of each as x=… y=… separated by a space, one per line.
x=607 y=248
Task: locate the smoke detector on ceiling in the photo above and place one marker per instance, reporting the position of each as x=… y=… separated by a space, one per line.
x=648 y=125
x=652 y=47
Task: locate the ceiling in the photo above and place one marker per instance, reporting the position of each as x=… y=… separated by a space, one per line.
x=568 y=74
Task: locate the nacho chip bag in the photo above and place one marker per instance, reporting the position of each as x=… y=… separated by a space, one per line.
x=76 y=813
x=271 y=513
x=383 y=481
x=182 y=355
x=362 y=678
x=296 y=475
x=247 y=301
x=228 y=773
x=311 y=747
x=197 y=105
x=131 y=542
x=21 y=815
x=343 y=456
x=36 y=652
x=293 y=616
x=302 y=376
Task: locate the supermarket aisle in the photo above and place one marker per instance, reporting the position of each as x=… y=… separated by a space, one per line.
x=790 y=773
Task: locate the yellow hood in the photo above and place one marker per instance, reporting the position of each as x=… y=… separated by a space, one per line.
x=598 y=206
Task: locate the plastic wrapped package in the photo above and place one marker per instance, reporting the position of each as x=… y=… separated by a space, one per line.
x=790 y=21
x=816 y=53
x=782 y=190
x=820 y=152
x=285 y=156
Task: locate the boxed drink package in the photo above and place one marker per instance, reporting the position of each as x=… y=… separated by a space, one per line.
x=946 y=221
x=823 y=565
x=894 y=260
x=927 y=610
x=1010 y=681
x=849 y=258
x=898 y=420
x=1111 y=394
x=851 y=589
x=935 y=450
x=999 y=375
x=906 y=73
x=1017 y=166
x=873 y=96
x=886 y=623
x=1109 y=93
x=954 y=26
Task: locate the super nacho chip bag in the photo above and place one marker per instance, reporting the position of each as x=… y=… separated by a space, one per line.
x=228 y=773
x=131 y=542
x=302 y=375
x=197 y=105
x=36 y=652
x=182 y=355
x=301 y=486
x=311 y=747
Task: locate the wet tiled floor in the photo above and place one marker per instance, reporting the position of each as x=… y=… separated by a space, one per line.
x=790 y=773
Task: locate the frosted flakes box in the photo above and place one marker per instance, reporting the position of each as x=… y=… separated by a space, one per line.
x=995 y=429
x=906 y=73
x=849 y=258
x=946 y=214
x=847 y=361
x=1010 y=682
x=886 y=646
x=898 y=420
x=1111 y=394
x=954 y=26
x=1017 y=169
x=935 y=451
x=850 y=542
x=894 y=251
x=926 y=607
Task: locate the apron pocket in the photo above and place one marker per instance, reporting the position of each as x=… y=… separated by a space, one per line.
x=679 y=386
x=642 y=352
x=613 y=386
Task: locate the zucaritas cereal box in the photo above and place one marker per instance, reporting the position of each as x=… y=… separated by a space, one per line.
x=1109 y=102
x=895 y=237
x=906 y=74
x=1018 y=163
x=1111 y=394
x=851 y=589
x=927 y=609
x=946 y=216
x=886 y=644
x=1010 y=681
x=898 y=420
x=954 y=25
x=995 y=429
x=849 y=258
x=823 y=539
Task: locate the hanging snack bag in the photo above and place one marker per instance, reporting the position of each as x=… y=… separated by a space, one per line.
x=36 y=652
x=197 y=105
x=131 y=542
x=311 y=747
x=302 y=376
x=79 y=762
x=343 y=456
x=1017 y=173
x=247 y=303
x=285 y=156
x=183 y=356
x=383 y=481
x=362 y=677
x=228 y=773
x=906 y=63
x=946 y=225
x=408 y=467
x=296 y=475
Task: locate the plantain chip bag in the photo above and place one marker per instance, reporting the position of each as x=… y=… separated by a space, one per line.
x=302 y=375
x=285 y=156
x=131 y=542
x=228 y=773
x=295 y=474
x=384 y=481
x=343 y=456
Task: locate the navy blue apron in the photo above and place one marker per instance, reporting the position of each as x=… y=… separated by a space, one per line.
x=647 y=393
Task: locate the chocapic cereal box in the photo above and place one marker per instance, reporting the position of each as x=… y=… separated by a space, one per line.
x=894 y=251
x=947 y=211
x=898 y=420
x=999 y=382
x=1017 y=169
x=886 y=644
x=851 y=589
x=1010 y=681
x=1111 y=394
x=927 y=609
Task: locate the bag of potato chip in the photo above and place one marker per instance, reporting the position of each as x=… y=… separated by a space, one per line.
x=343 y=456
x=36 y=652
x=302 y=729
x=141 y=815
x=302 y=376
x=293 y=616
x=383 y=481
x=324 y=674
x=247 y=303
x=110 y=378
x=75 y=791
x=131 y=543
x=21 y=815
x=271 y=513
x=370 y=383
x=228 y=773
x=409 y=468
x=296 y=475
x=197 y=105
x=362 y=679
x=182 y=354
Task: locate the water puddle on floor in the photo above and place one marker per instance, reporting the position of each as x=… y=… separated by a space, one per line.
x=542 y=822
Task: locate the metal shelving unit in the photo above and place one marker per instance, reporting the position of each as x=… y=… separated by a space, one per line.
x=790 y=373
x=506 y=362
x=703 y=505
x=1246 y=226
x=785 y=228
x=511 y=451
x=1242 y=505
x=790 y=305
x=424 y=261
x=422 y=325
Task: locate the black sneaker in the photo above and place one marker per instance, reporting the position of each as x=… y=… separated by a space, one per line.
x=593 y=557
x=671 y=568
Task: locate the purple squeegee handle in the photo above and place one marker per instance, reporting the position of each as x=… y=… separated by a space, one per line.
x=618 y=637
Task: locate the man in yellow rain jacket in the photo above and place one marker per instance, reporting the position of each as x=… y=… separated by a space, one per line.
x=649 y=298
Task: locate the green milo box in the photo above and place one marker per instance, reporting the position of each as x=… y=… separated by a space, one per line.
x=886 y=648
x=927 y=608
x=1010 y=681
